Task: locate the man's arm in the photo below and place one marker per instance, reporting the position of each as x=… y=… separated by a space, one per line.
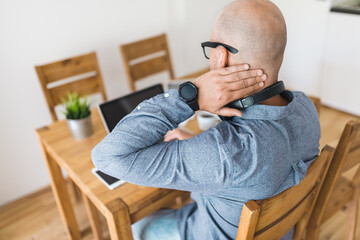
x=134 y=150
x=177 y=134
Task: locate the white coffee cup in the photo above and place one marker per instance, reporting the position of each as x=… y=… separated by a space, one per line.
x=207 y=120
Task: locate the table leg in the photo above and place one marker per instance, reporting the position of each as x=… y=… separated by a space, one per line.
x=75 y=190
x=93 y=217
x=62 y=198
x=118 y=219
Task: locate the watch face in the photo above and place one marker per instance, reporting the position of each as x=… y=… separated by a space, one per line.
x=188 y=92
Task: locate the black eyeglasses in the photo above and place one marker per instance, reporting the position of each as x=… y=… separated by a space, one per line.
x=207 y=46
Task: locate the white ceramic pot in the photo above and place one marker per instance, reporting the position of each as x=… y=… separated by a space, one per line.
x=80 y=128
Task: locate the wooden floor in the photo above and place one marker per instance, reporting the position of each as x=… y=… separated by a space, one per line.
x=36 y=216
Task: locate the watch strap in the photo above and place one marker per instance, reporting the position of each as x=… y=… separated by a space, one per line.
x=194 y=105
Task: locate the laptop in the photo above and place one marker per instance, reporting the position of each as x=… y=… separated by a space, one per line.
x=113 y=111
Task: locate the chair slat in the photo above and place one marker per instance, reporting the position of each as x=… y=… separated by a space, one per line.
x=83 y=87
x=356 y=125
x=144 y=47
x=69 y=67
x=149 y=67
x=279 y=228
x=343 y=192
x=353 y=158
x=248 y=223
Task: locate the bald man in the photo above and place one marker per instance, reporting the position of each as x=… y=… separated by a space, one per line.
x=259 y=152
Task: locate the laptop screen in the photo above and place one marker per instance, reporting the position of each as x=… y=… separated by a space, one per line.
x=113 y=111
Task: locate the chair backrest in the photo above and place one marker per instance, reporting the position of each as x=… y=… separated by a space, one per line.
x=56 y=82
x=272 y=218
x=317 y=103
x=347 y=156
x=349 y=146
x=146 y=57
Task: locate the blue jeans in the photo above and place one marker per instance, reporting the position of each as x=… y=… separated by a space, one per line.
x=159 y=225
x=163 y=225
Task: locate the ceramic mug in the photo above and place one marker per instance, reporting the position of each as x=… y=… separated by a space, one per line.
x=207 y=120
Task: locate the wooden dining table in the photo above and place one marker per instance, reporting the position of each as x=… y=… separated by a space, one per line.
x=121 y=207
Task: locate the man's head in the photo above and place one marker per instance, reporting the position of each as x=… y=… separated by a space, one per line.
x=256 y=28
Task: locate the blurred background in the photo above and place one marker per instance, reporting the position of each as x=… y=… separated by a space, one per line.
x=322 y=59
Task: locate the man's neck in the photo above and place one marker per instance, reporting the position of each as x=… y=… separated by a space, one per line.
x=277 y=100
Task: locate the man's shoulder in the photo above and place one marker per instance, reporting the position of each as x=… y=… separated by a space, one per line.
x=300 y=112
x=305 y=104
x=301 y=97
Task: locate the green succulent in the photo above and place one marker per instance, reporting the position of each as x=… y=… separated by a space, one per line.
x=75 y=108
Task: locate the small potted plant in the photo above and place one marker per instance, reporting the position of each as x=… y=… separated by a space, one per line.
x=78 y=116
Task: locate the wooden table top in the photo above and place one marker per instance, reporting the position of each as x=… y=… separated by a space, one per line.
x=74 y=156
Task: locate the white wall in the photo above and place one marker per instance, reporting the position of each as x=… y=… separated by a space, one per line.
x=38 y=32
x=306 y=23
x=341 y=81
x=35 y=32
x=191 y=23
x=323 y=53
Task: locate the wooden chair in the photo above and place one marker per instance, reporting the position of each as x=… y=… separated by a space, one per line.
x=147 y=57
x=51 y=78
x=147 y=67
x=337 y=191
x=272 y=218
x=56 y=82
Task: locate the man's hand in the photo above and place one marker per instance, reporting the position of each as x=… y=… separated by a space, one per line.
x=224 y=85
x=177 y=134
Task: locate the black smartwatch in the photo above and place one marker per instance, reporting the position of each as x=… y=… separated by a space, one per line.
x=189 y=93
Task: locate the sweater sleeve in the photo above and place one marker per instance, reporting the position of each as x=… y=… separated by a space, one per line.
x=135 y=152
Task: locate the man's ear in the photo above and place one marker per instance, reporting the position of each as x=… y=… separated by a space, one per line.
x=224 y=57
x=220 y=57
